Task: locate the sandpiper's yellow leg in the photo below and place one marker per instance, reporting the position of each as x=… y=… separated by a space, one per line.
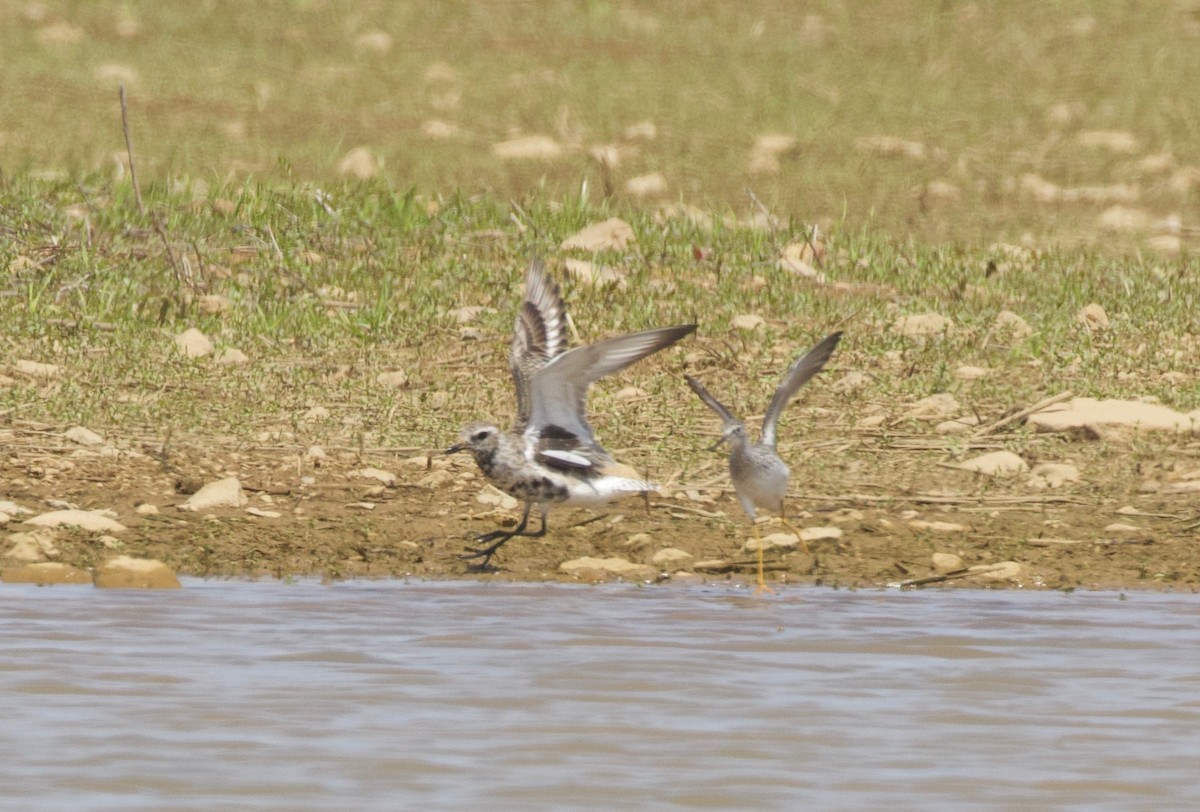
x=796 y=533
x=793 y=531
x=762 y=581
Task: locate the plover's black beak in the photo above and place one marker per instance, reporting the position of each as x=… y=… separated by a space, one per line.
x=718 y=443
x=457 y=447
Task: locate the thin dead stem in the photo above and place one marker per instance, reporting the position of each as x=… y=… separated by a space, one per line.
x=137 y=191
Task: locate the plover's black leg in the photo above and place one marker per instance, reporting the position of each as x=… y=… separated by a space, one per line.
x=499 y=537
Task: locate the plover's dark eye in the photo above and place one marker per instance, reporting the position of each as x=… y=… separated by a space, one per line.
x=480 y=436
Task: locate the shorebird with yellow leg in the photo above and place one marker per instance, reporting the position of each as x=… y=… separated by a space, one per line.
x=760 y=477
x=551 y=455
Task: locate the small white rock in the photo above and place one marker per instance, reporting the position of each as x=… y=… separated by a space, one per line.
x=386 y=477
x=747 y=321
x=958 y=425
x=82 y=436
x=230 y=357
x=590 y=567
x=997 y=463
x=222 y=493
x=946 y=562
x=126 y=572
x=671 y=557
x=772 y=540
x=613 y=233
x=1002 y=571
x=265 y=514
x=1093 y=317
x=193 y=343
x=395 y=379
x=1014 y=325
x=971 y=373
x=91 y=520
x=944 y=528
x=13 y=509
x=1052 y=475
x=491 y=495
x=146 y=509
x=942 y=404
x=35 y=545
x=35 y=369
x=1123 y=529
x=820 y=533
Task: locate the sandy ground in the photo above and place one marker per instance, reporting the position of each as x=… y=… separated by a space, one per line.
x=894 y=499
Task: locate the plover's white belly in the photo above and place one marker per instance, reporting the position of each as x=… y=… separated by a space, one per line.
x=603 y=489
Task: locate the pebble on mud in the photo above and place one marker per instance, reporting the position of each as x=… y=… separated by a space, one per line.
x=34 y=369
x=81 y=436
x=943 y=528
x=395 y=379
x=946 y=562
x=45 y=574
x=91 y=520
x=222 y=493
x=671 y=557
x=385 y=477
x=996 y=463
x=942 y=404
x=33 y=545
x=1052 y=475
x=597 y=568
x=958 y=425
x=1002 y=571
x=491 y=495
x=127 y=572
x=1130 y=414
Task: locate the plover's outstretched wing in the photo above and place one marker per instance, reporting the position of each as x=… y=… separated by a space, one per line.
x=558 y=427
x=797 y=375
x=539 y=335
x=727 y=417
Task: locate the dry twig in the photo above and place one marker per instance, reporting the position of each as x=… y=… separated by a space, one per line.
x=137 y=192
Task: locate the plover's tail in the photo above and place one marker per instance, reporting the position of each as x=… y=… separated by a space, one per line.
x=616 y=481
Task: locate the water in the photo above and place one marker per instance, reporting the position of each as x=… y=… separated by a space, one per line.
x=390 y=695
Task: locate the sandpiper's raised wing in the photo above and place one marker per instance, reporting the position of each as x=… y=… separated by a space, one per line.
x=727 y=417
x=558 y=425
x=538 y=337
x=797 y=375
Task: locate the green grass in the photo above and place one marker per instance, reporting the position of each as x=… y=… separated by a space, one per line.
x=323 y=300
x=280 y=92
x=240 y=116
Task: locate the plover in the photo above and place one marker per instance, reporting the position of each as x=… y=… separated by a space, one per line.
x=759 y=476
x=551 y=455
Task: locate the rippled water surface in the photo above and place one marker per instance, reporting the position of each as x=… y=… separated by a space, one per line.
x=389 y=695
